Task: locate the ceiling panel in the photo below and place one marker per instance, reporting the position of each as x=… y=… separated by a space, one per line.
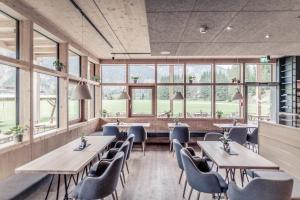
x=219 y=5
x=272 y=5
x=156 y=48
x=169 y=5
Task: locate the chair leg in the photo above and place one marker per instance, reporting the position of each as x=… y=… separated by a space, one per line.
x=190 y=194
x=121 y=180
x=198 y=197
x=116 y=195
x=186 y=144
x=127 y=166
x=122 y=172
x=184 y=188
x=225 y=195
x=113 y=196
x=143 y=147
x=171 y=146
x=180 y=176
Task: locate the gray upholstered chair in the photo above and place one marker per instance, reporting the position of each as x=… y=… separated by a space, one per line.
x=206 y=182
x=238 y=135
x=112 y=131
x=252 y=139
x=109 y=156
x=212 y=136
x=140 y=135
x=262 y=189
x=130 y=139
x=181 y=133
x=103 y=183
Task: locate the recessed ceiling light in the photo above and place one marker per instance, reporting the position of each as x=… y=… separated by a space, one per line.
x=165 y=52
x=228 y=28
x=267 y=36
x=203 y=29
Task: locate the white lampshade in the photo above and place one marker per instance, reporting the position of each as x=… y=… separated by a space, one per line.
x=82 y=92
x=124 y=95
x=177 y=96
x=238 y=95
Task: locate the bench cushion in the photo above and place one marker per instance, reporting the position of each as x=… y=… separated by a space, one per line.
x=279 y=175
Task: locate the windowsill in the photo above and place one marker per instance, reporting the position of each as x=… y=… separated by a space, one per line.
x=48 y=134
x=12 y=145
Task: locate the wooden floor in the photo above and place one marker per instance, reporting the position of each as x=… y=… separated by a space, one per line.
x=152 y=177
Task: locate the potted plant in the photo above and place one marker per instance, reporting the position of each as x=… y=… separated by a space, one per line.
x=58 y=65
x=168 y=113
x=17 y=132
x=104 y=113
x=135 y=79
x=191 y=78
x=176 y=120
x=83 y=141
x=219 y=114
x=225 y=140
x=96 y=78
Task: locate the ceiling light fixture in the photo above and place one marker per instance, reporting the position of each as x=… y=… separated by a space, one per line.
x=267 y=36
x=203 y=29
x=228 y=28
x=164 y=52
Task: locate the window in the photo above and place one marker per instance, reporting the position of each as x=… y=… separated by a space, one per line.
x=261 y=103
x=170 y=73
x=166 y=107
x=224 y=102
x=74 y=64
x=113 y=73
x=8 y=102
x=225 y=73
x=198 y=101
x=92 y=101
x=91 y=71
x=198 y=73
x=45 y=50
x=45 y=102
x=112 y=105
x=9 y=40
x=142 y=101
x=258 y=73
x=142 y=73
x=74 y=105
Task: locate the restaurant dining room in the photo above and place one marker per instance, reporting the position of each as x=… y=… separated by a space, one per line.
x=150 y=99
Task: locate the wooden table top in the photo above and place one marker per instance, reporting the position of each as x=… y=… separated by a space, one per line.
x=64 y=160
x=246 y=159
x=238 y=125
x=173 y=125
x=127 y=125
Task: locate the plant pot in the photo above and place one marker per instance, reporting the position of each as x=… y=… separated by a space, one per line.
x=135 y=81
x=219 y=116
x=18 y=138
x=190 y=81
x=226 y=147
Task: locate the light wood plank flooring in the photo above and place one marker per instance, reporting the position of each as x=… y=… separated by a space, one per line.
x=152 y=177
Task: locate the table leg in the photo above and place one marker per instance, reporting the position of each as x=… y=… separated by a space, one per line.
x=49 y=187
x=66 y=187
x=58 y=184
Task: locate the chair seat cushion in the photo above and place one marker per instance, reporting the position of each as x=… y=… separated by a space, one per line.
x=223 y=184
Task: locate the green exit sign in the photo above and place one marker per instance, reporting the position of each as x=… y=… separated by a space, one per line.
x=265 y=59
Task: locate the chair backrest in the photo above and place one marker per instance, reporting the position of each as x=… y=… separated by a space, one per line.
x=111 y=131
x=202 y=182
x=138 y=132
x=262 y=189
x=130 y=139
x=177 y=146
x=125 y=149
x=238 y=135
x=181 y=133
x=212 y=136
x=253 y=136
x=104 y=185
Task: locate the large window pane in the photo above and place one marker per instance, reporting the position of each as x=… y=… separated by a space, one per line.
x=198 y=101
x=91 y=71
x=261 y=104
x=7 y=101
x=225 y=73
x=167 y=107
x=198 y=73
x=44 y=50
x=258 y=73
x=145 y=73
x=74 y=64
x=170 y=73
x=45 y=102
x=113 y=73
x=141 y=101
x=112 y=105
x=8 y=38
x=74 y=105
x=224 y=102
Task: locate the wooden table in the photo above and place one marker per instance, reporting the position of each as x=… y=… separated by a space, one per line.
x=65 y=161
x=173 y=125
x=227 y=127
x=245 y=158
x=127 y=125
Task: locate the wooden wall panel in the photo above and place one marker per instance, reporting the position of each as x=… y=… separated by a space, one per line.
x=281 y=144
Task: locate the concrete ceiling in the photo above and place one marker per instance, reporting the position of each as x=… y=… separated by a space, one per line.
x=143 y=26
x=174 y=26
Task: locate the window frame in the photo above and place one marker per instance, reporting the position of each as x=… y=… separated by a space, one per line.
x=80 y=65
x=130 y=113
x=74 y=121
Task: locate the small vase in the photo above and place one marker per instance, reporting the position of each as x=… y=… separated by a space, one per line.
x=219 y=116
x=18 y=138
x=191 y=81
x=226 y=147
x=135 y=81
